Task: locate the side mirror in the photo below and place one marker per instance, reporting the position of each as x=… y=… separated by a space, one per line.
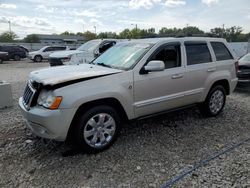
x=154 y=66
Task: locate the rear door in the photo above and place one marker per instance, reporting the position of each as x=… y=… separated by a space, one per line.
x=224 y=58
x=199 y=66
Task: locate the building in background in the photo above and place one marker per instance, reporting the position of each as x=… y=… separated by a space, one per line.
x=61 y=39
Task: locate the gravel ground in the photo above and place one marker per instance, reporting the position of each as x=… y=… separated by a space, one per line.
x=147 y=154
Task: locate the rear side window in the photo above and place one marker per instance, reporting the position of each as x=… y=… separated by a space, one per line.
x=197 y=53
x=221 y=51
x=58 y=48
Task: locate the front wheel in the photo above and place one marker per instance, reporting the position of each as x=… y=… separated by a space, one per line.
x=215 y=102
x=38 y=58
x=97 y=129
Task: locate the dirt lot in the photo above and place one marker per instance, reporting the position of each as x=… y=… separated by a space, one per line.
x=147 y=154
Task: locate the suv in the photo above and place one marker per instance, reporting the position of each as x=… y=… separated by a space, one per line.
x=84 y=54
x=14 y=52
x=43 y=53
x=132 y=80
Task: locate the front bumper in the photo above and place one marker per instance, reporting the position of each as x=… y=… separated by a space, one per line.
x=45 y=123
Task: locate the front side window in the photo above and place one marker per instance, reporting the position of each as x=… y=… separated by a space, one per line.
x=169 y=54
x=221 y=51
x=197 y=53
x=106 y=46
x=48 y=49
x=123 y=55
x=89 y=46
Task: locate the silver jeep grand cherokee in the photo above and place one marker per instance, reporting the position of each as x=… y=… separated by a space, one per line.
x=132 y=80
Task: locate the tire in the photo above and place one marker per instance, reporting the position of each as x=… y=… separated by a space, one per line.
x=1 y=61
x=17 y=58
x=38 y=58
x=88 y=134
x=214 y=102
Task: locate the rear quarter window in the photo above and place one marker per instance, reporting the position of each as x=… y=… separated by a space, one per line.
x=221 y=51
x=197 y=53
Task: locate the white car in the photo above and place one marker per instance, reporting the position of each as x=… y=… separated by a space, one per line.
x=84 y=54
x=43 y=53
x=136 y=79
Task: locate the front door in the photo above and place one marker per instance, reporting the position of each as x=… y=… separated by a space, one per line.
x=158 y=91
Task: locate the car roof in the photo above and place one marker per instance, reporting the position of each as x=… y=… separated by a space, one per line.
x=174 y=39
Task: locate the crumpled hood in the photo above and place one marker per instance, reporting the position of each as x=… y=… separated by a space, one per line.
x=64 y=54
x=61 y=74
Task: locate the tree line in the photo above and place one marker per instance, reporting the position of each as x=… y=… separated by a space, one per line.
x=231 y=34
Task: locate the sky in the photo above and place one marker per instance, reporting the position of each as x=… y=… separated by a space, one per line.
x=57 y=16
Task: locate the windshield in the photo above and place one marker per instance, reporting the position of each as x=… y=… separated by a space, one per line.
x=89 y=46
x=43 y=48
x=245 y=58
x=123 y=56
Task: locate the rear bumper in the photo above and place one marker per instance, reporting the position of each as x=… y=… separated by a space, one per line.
x=45 y=123
x=243 y=76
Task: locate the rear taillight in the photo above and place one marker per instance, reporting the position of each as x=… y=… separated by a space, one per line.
x=236 y=67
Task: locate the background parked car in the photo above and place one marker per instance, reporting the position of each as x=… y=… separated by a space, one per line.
x=26 y=49
x=84 y=54
x=43 y=53
x=3 y=56
x=244 y=68
x=14 y=52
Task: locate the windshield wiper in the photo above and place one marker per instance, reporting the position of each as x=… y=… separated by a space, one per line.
x=104 y=65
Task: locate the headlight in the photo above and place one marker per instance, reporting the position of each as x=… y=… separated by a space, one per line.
x=48 y=100
x=66 y=59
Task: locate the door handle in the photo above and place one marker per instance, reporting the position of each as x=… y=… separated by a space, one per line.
x=177 y=76
x=211 y=70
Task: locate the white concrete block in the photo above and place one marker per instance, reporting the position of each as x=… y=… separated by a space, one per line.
x=6 y=99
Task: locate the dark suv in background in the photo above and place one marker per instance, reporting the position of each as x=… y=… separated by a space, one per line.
x=14 y=52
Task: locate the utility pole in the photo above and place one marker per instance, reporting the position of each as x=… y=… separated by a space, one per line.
x=95 y=29
x=135 y=26
x=9 y=26
x=82 y=28
x=223 y=26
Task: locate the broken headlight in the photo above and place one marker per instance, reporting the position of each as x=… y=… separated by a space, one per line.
x=48 y=100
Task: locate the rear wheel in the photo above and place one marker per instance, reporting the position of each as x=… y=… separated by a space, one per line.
x=215 y=101
x=17 y=58
x=38 y=58
x=1 y=61
x=97 y=129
